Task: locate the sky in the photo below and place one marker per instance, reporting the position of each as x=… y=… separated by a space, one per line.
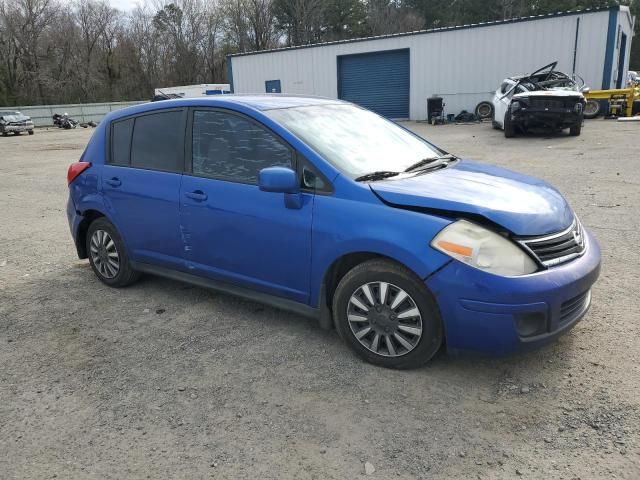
x=125 y=5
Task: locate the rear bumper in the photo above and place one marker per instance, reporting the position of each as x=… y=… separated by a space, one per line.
x=481 y=311
x=74 y=219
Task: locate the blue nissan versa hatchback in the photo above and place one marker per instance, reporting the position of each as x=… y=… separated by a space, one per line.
x=329 y=210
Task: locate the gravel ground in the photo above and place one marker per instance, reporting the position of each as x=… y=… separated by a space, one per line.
x=165 y=380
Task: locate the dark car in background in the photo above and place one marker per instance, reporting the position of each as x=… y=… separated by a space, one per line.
x=14 y=122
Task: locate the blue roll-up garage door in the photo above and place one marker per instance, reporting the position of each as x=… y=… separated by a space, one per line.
x=377 y=80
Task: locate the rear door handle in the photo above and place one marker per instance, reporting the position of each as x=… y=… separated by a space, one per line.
x=198 y=195
x=114 y=182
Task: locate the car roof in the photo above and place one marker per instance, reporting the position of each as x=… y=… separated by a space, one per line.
x=271 y=101
x=260 y=102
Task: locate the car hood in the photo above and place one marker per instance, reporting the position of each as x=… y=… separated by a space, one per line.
x=521 y=204
x=550 y=93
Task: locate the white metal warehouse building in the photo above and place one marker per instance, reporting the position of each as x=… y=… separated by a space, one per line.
x=395 y=74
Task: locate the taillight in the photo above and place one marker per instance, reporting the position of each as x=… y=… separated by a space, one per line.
x=76 y=169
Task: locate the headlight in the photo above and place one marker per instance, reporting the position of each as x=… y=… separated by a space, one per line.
x=578 y=107
x=481 y=248
x=515 y=106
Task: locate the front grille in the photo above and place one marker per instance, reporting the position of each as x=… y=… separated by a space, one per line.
x=548 y=103
x=575 y=307
x=18 y=124
x=558 y=248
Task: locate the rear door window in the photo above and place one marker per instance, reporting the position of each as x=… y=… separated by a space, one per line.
x=157 y=141
x=235 y=148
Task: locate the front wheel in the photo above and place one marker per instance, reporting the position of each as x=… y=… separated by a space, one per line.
x=576 y=129
x=107 y=254
x=30 y=132
x=509 y=127
x=385 y=313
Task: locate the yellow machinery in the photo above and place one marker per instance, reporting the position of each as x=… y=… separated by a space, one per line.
x=620 y=101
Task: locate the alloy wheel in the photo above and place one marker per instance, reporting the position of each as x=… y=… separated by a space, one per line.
x=104 y=254
x=384 y=319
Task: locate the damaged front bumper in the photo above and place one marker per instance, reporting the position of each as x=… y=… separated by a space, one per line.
x=496 y=315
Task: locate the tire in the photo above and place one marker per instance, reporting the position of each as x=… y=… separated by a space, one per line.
x=591 y=109
x=30 y=132
x=382 y=321
x=5 y=134
x=509 y=128
x=575 y=130
x=99 y=249
x=484 y=110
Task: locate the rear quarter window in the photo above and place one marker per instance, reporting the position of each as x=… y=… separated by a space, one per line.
x=121 y=142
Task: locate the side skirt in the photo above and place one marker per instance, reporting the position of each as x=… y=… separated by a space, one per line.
x=265 y=298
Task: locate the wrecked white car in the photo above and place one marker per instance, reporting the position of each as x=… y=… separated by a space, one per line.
x=14 y=122
x=544 y=99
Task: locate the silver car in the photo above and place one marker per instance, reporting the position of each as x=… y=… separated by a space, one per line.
x=14 y=122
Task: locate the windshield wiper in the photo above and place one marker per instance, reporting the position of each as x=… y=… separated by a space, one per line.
x=376 y=175
x=430 y=162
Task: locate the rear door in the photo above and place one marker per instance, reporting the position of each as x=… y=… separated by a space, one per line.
x=233 y=231
x=141 y=184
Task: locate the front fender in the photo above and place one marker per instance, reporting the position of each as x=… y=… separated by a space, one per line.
x=342 y=227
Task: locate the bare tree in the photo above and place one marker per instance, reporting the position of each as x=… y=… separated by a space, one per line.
x=26 y=22
x=93 y=18
x=384 y=17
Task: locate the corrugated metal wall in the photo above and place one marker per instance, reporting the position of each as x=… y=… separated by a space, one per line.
x=83 y=112
x=464 y=66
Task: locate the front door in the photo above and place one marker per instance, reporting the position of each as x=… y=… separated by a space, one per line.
x=501 y=101
x=141 y=185
x=232 y=230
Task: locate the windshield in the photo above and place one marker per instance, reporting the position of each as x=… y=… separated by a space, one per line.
x=356 y=141
x=7 y=113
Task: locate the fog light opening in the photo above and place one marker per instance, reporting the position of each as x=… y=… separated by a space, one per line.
x=531 y=324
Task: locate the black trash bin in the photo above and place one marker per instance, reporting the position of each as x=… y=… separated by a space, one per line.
x=435 y=107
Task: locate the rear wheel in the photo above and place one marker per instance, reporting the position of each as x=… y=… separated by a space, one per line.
x=385 y=313
x=107 y=255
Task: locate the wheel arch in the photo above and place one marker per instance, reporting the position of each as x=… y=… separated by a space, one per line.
x=337 y=269
x=88 y=216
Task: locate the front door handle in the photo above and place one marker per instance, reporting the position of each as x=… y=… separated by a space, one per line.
x=114 y=182
x=198 y=195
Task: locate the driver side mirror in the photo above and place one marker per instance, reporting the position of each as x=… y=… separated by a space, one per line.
x=278 y=180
